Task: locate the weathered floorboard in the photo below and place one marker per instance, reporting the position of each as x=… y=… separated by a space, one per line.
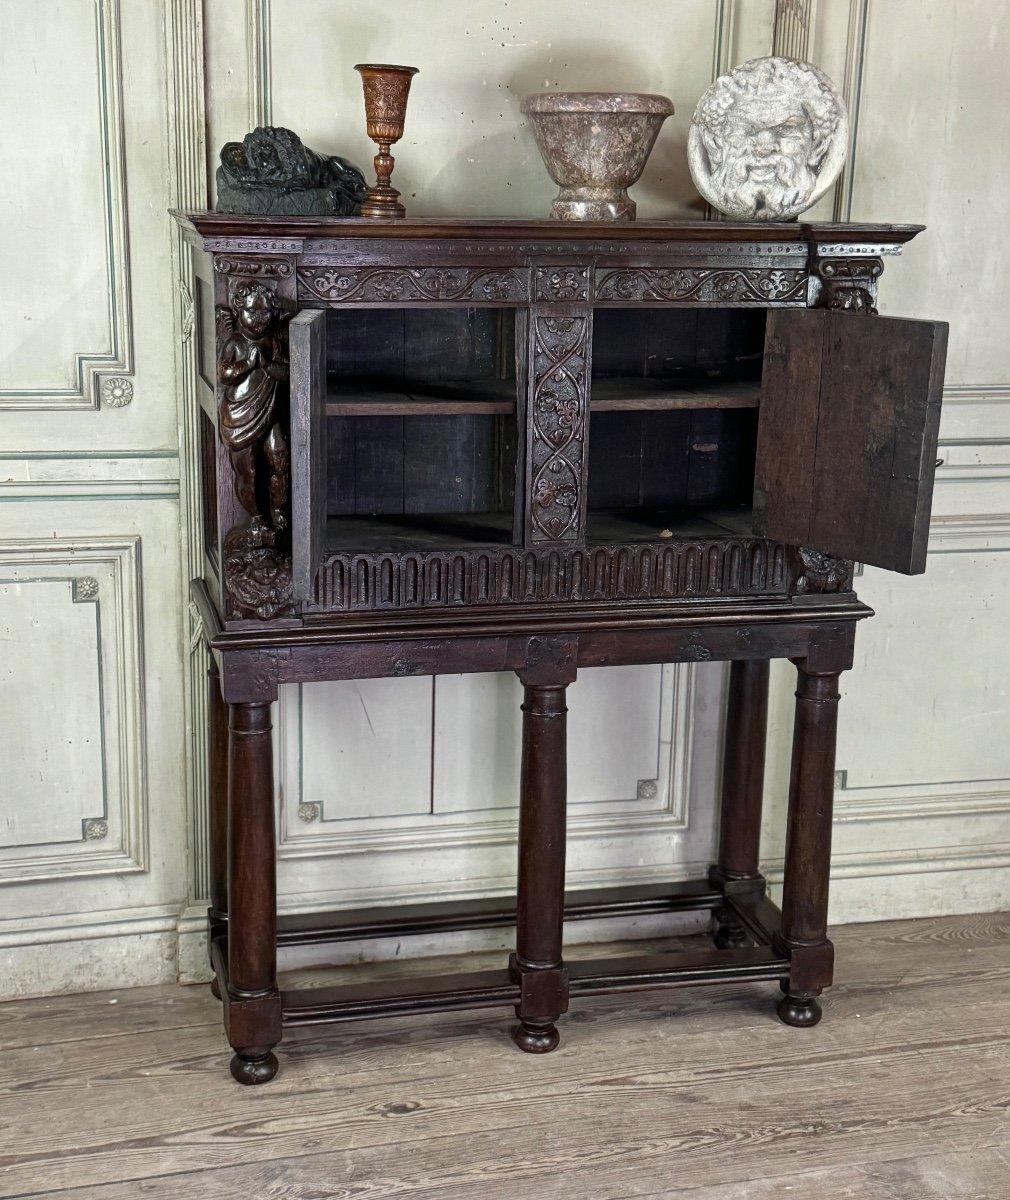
x=903 y=1091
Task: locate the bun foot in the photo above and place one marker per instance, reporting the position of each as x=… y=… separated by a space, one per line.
x=798 y=1011
x=254 y=1070
x=536 y=1039
x=215 y=988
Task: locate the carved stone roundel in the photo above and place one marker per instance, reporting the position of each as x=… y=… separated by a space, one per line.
x=768 y=139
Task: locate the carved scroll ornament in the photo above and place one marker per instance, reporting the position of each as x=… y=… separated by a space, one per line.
x=712 y=285
x=406 y=285
x=558 y=436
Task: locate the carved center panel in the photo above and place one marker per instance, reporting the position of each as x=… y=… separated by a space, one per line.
x=558 y=426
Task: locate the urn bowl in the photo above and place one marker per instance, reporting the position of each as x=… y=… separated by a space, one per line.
x=595 y=146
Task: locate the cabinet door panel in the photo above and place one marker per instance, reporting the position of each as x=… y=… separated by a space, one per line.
x=850 y=410
x=307 y=349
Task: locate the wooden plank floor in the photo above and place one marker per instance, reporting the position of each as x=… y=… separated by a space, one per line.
x=902 y=1093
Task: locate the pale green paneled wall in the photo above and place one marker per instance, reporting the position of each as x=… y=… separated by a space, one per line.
x=101 y=870
x=93 y=825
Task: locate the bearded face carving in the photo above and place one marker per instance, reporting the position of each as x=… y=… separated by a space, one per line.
x=768 y=139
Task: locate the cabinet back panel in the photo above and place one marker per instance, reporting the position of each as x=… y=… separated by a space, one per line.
x=419 y=464
x=383 y=465
x=689 y=458
x=678 y=342
x=396 y=346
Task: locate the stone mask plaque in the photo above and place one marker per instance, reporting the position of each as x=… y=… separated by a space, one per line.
x=768 y=139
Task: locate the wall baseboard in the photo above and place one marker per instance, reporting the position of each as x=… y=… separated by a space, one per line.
x=168 y=948
x=95 y=964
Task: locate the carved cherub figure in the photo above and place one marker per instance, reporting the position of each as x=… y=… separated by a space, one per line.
x=251 y=363
x=767 y=139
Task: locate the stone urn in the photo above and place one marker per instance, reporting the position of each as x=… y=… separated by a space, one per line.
x=595 y=146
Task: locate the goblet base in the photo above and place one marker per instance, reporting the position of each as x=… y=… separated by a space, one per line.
x=383 y=204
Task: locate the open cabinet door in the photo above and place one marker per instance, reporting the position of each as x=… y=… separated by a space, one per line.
x=307 y=353
x=846 y=452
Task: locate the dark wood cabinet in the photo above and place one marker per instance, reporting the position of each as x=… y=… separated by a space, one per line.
x=439 y=446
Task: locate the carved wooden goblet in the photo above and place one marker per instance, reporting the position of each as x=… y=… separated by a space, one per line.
x=386 y=91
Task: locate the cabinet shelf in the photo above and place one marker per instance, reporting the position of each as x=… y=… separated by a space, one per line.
x=409 y=532
x=485 y=397
x=662 y=395
x=491 y=397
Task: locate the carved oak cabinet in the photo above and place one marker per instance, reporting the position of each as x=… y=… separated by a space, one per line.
x=444 y=445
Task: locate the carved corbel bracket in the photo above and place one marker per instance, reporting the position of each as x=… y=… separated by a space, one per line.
x=257 y=575
x=849 y=284
x=819 y=574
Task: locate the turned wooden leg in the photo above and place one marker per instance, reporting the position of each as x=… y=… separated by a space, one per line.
x=808 y=847
x=217 y=831
x=736 y=870
x=253 y=1005
x=541 y=886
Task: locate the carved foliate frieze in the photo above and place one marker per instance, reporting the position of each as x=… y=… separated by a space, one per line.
x=706 y=285
x=407 y=285
x=504 y=576
x=558 y=426
x=561 y=283
x=849 y=284
x=253 y=422
x=820 y=574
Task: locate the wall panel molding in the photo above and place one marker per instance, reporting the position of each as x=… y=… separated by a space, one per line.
x=89 y=365
x=871 y=864
x=189 y=184
x=104 y=575
x=972 y=533
x=659 y=810
x=88 y=476
x=919 y=801
x=851 y=84
x=793 y=28
x=260 y=50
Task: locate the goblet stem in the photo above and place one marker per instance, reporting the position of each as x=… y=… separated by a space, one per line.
x=384 y=163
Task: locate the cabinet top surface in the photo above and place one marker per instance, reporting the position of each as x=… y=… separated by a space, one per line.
x=212 y=225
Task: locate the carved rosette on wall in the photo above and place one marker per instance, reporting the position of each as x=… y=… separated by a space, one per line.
x=253 y=420
x=557 y=452
x=403 y=285
x=820 y=574
x=849 y=284
x=117 y=391
x=714 y=285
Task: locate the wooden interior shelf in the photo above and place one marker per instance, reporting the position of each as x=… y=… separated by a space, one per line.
x=417 y=531
x=493 y=397
x=660 y=395
x=404 y=532
x=485 y=397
